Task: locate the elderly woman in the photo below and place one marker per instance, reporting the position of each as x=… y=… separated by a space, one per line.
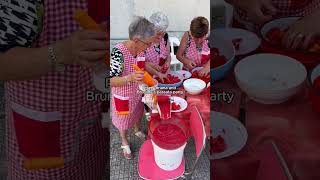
x=193 y=43
x=127 y=106
x=158 y=56
x=48 y=116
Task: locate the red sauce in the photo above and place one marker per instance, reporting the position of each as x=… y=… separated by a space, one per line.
x=169 y=136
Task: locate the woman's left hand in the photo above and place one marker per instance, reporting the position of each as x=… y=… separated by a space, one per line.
x=301 y=33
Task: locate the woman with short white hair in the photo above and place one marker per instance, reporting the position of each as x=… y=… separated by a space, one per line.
x=158 y=56
x=127 y=106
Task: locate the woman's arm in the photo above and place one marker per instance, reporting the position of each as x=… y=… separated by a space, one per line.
x=31 y=63
x=27 y=63
x=301 y=33
x=182 y=48
x=151 y=69
x=117 y=68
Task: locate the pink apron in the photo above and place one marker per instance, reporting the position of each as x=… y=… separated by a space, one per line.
x=193 y=54
x=50 y=116
x=154 y=57
x=126 y=98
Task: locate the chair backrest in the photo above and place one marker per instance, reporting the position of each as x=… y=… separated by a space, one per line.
x=197 y=130
x=199 y=136
x=271 y=166
x=173 y=40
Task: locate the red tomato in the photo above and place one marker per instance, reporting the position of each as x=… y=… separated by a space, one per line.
x=217 y=144
x=236 y=43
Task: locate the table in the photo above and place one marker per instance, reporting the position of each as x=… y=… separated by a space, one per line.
x=292 y=125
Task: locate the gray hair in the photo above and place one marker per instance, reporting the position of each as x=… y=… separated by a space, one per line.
x=160 y=21
x=140 y=27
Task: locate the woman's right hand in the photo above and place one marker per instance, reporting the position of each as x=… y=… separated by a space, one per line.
x=136 y=76
x=190 y=64
x=85 y=47
x=258 y=11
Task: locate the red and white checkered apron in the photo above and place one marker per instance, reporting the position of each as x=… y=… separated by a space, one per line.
x=64 y=93
x=192 y=52
x=285 y=8
x=153 y=56
x=131 y=91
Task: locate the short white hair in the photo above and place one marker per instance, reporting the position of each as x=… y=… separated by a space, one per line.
x=160 y=20
x=142 y=28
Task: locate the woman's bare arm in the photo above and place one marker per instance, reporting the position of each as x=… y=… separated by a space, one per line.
x=27 y=63
x=182 y=48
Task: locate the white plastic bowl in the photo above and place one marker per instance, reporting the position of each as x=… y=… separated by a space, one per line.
x=270 y=78
x=194 y=86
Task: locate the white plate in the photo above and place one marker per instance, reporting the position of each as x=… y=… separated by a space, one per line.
x=208 y=85
x=186 y=74
x=236 y=134
x=183 y=103
x=250 y=41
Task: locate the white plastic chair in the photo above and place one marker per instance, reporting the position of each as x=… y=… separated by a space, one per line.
x=175 y=64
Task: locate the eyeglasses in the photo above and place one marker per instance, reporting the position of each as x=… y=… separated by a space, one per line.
x=148 y=44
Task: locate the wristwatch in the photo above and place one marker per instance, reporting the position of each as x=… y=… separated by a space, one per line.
x=59 y=67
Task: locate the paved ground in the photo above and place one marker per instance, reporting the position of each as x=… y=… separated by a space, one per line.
x=122 y=169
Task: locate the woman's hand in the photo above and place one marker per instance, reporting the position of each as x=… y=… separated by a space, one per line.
x=259 y=11
x=85 y=47
x=204 y=72
x=301 y=33
x=162 y=76
x=136 y=76
x=190 y=64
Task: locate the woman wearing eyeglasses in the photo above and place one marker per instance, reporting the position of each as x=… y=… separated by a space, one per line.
x=127 y=107
x=193 y=44
x=158 y=56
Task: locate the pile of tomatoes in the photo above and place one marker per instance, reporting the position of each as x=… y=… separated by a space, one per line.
x=217 y=59
x=176 y=106
x=170 y=79
x=217 y=145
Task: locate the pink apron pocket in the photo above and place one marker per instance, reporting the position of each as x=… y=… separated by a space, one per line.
x=205 y=57
x=141 y=61
x=37 y=133
x=121 y=104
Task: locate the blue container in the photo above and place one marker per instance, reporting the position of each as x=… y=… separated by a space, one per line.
x=227 y=49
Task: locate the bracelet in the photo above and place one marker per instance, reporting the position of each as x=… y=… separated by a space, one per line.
x=53 y=60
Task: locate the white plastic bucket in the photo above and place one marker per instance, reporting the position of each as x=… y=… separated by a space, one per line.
x=168 y=159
